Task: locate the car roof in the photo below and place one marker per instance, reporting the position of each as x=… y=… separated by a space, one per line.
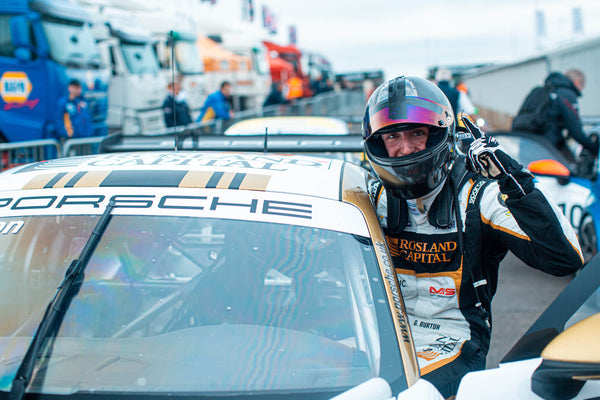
x=289 y=125
x=284 y=173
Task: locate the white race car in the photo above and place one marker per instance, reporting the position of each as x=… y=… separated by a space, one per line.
x=289 y=125
x=195 y=275
x=558 y=358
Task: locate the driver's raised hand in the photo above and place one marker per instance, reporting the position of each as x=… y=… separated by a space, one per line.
x=486 y=157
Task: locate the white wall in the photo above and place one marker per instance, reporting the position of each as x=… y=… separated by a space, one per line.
x=503 y=88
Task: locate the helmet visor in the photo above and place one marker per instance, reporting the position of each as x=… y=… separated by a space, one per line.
x=400 y=104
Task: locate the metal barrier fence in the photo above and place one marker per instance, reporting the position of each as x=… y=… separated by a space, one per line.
x=348 y=105
x=81 y=146
x=17 y=153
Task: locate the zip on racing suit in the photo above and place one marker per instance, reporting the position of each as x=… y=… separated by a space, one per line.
x=447 y=267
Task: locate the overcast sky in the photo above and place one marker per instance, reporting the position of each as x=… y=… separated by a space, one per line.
x=407 y=36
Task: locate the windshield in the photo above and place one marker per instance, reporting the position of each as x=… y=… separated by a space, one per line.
x=179 y=305
x=72 y=44
x=188 y=57
x=140 y=58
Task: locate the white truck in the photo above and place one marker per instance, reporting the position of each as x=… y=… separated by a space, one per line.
x=251 y=85
x=176 y=39
x=137 y=87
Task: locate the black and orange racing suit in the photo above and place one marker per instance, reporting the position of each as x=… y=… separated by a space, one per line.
x=451 y=330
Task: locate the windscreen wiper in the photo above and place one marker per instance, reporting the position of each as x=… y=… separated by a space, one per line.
x=55 y=311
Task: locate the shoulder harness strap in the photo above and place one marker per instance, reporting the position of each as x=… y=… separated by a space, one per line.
x=441 y=213
x=472 y=253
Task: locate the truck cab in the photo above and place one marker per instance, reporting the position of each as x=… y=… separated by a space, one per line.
x=177 y=49
x=286 y=61
x=137 y=86
x=252 y=86
x=43 y=45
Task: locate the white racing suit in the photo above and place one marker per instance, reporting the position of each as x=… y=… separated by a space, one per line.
x=450 y=331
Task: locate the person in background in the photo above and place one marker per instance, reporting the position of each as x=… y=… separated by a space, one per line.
x=75 y=119
x=295 y=88
x=175 y=108
x=460 y=101
x=320 y=85
x=449 y=220
x=275 y=95
x=549 y=109
x=217 y=105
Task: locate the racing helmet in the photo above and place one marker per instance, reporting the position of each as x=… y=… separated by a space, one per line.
x=404 y=103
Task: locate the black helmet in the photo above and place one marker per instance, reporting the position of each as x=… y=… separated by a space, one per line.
x=403 y=103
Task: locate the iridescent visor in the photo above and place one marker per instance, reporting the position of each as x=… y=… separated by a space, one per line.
x=415 y=110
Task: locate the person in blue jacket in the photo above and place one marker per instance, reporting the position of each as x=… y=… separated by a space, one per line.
x=217 y=105
x=75 y=119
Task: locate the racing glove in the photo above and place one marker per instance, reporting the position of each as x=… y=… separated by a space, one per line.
x=486 y=157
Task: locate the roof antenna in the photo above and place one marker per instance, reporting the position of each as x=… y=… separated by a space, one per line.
x=266 y=136
x=171 y=40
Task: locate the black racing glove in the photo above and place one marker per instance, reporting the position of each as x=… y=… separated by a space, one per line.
x=486 y=157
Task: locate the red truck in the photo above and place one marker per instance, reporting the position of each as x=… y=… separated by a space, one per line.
x=284 y=62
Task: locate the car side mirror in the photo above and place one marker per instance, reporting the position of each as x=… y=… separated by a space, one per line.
x=569 y=361
x=550 y=168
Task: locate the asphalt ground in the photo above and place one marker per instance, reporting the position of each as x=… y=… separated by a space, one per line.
x=523 y=294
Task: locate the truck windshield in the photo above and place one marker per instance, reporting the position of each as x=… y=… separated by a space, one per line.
x=188 y=58
x=140 y=58
x=72 y=44
x=261 y=62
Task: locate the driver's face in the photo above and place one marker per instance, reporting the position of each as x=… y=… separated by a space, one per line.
x=403 y=143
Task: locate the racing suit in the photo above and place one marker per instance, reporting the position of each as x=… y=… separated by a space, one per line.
x=448 y=294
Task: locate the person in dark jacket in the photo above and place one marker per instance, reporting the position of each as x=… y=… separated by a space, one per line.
x=175 y=109
x=449 y=220
x=557 y=110
x=460 y=101
x=275 y=95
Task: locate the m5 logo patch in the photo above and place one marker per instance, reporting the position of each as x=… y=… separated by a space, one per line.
x=445 y=292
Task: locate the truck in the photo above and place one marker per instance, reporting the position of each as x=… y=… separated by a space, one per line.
x=176 y=48
x=137 y=86
x=286 y=61
x=251 y=85
x=43 y=45
x=222 y=65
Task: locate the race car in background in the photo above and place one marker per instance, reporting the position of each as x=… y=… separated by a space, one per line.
x=289 y=125
x=197 y=275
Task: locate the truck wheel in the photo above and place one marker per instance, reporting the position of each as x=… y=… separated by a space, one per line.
x=587 y=237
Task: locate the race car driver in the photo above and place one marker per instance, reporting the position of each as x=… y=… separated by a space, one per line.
x=450 y=219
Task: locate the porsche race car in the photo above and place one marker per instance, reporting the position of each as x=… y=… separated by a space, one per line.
x=194 y=275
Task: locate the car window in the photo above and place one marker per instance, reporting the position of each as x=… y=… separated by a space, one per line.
x=590 y=307
x=183 y=304
x=528 y=148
